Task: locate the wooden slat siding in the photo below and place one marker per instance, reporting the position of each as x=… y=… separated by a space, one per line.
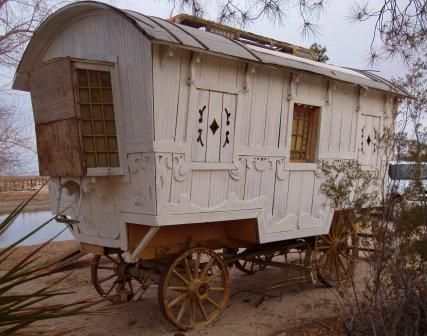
x=200 y=186
x=166 y=82
x=339 y=103
x=259 y=107
x=252 y=183
x=62 y=157
x=307 y=189
x=245 y=118
x=228 y=72
x=209 y=69
x=218 y=188
x=294 y=193
x=198 y=151
x=274 y=107
x=183 y=97
x=267 y=188
x=284 y=112
x=52 y=91
x=353 y=107
x=213 y=139
x=226 y=149
x=281 y=193
x=318 y=198
x=348 y=112
x=238 y=186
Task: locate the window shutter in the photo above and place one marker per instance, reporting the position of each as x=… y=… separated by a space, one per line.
x=57 y=129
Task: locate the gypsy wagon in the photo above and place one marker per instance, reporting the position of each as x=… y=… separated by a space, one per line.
x=169 y=140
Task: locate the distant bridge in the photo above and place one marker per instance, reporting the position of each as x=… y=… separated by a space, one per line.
x=17 y=183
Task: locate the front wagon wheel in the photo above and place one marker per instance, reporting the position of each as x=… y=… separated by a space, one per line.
x=194 y=289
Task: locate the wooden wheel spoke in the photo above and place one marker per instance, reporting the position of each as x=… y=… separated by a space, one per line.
x=180 y=277
x=196 y=266
x=130 y=286
x=193 y=314
x=183 y=309
x=177 y=288
x=112 y=259
x=217 y=289
x=177 y=299
x=202 y=309
x=106 y=268
x=213 y=276
x=187 y=269
x=108 y=278
x=110 y=289
x=206 y=268
x=213 y=302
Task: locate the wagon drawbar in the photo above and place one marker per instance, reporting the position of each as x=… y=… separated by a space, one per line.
x=178 y=148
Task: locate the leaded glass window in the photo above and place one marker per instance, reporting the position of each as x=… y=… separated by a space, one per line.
x=304 y=133
x=98 y=127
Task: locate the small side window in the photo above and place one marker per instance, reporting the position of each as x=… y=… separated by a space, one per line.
x=304 y=133
x=97 y=121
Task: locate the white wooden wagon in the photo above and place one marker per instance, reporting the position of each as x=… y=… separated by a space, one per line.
x=168 y=140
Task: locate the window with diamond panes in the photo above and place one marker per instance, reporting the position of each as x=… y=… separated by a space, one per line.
x=98 y=126
x=304 y=133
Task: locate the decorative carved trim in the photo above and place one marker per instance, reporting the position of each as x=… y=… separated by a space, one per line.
x=236 y=174
x=231 y=204
x=280 y=169
x=182 y=169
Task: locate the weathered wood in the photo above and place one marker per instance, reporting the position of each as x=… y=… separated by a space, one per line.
x=52 y=91
x=58 y=148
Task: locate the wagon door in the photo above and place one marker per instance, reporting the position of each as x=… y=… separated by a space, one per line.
x=369 y=132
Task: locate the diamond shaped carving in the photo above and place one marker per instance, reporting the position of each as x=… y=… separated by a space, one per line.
x=214 y=126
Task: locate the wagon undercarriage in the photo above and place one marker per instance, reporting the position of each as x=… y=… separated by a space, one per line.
x=194 y=285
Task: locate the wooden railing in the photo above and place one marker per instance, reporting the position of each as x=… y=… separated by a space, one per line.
x=16 y=183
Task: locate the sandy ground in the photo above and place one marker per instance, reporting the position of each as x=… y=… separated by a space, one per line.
x=10 y=199
x=295 y=310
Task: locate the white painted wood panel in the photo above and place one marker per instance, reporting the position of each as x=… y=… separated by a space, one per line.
x=213 y=131
x=228 y=123
x=199 y=118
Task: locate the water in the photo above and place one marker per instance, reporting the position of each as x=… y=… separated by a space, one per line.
x=28 y=221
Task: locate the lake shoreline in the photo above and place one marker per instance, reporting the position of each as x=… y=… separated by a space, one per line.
x=9 y=200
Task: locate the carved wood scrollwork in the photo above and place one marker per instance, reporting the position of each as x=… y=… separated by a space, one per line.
x=182 y=169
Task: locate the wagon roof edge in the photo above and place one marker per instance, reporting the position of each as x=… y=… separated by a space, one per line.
x=165 y=31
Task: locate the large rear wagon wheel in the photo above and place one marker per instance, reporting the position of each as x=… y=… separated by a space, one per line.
x=335 y=255
x=194 y=289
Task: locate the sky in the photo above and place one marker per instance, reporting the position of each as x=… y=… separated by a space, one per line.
x=347 y=45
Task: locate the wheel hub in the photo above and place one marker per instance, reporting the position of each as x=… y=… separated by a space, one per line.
x=198 y=290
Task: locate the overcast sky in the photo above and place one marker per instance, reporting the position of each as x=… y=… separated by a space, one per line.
x=347 y=44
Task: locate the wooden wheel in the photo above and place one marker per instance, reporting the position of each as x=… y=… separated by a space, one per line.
x=335 y=255
x=112 y=279
x=194 y=290
x=251 y=266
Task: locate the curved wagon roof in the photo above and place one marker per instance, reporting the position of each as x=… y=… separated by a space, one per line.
x=167 y=32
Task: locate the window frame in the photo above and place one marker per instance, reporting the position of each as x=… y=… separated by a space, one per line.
x=313 y=137
x=117 y=106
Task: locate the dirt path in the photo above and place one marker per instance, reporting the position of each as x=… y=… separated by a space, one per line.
x=247 y=314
